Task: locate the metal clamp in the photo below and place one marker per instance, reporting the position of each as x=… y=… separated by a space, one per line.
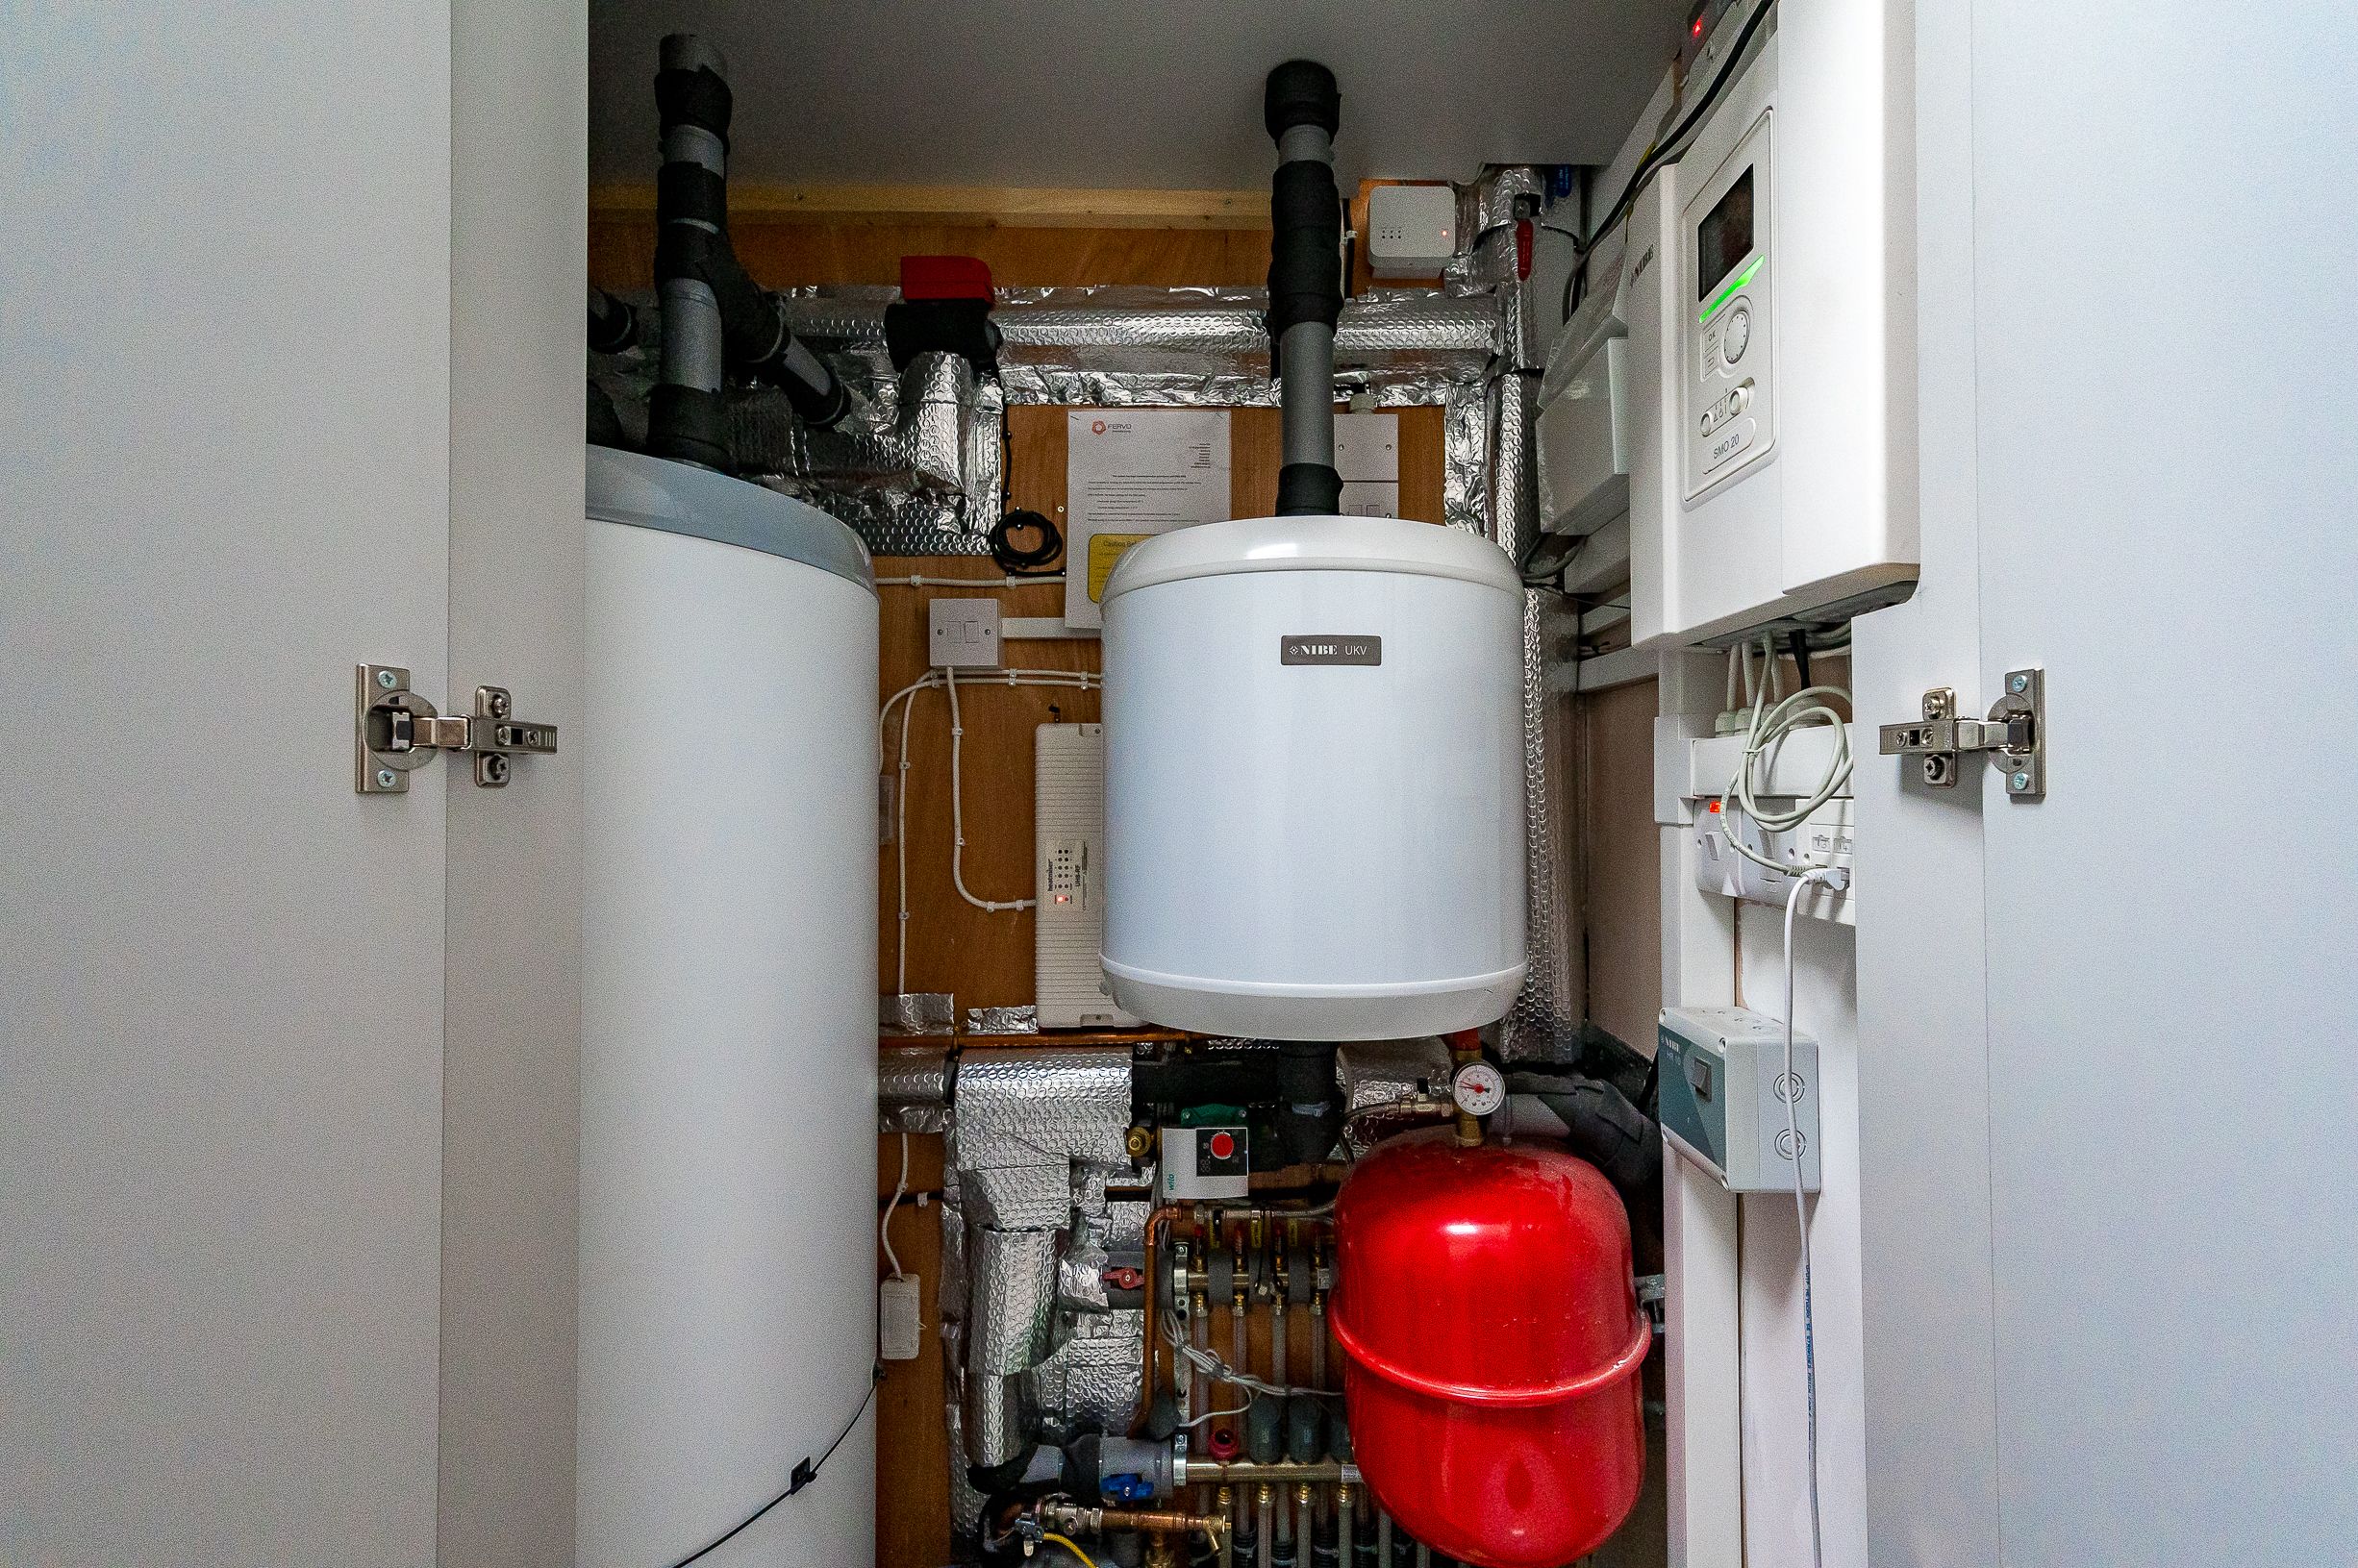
x=2013 y=737
x=396 y=730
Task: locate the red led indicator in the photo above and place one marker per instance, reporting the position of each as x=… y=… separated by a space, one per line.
x=1698 y=27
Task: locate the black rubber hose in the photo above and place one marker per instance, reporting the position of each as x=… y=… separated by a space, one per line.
x=1305 y=274
x=1602 y=1127
x=692 y=216
x=1308 y=1118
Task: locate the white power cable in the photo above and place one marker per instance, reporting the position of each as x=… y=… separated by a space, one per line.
x=1012 y=580
x=957 y=816
x=1835 y=878
x=1766 y=731
x=884 y=1227
x=932 y=680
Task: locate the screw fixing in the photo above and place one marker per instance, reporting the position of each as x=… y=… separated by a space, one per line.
x=2019 y=781
x=385 y=680
x=2018 y=683
x=387 y=777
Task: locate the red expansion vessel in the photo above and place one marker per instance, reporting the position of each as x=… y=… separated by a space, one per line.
x=1492 y=1340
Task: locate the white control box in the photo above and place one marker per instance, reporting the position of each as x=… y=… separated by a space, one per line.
x=899 y=1333
x=1586 y=413
x=1729 y=1106
x=1412 y=230
x=1771 y=335
x=962 y=633
x=1069 y=982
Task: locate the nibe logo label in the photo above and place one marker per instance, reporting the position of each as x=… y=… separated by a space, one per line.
x=1329 y=649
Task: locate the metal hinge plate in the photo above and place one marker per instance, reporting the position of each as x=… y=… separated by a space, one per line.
x=2013 y=737
x=395 y=731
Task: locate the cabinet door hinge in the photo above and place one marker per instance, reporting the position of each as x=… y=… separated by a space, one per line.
x=2013 y=737
x=396 y=730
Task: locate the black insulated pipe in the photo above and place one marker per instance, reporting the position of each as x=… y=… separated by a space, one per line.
x=715 y=318
x=1302 y=108
x=1309 y=1119
x=613 y=326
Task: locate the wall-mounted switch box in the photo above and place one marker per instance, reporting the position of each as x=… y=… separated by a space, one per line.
x=1725 y=1089
x=962 y=633
x=899 y=1337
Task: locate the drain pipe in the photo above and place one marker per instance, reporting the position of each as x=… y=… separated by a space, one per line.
x=1301 y=107
x=715 y=318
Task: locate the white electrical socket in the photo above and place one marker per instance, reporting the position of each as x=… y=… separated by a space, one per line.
x=962 y=633
x=897 y=1325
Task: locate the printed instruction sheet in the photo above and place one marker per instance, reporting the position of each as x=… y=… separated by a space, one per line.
x=1130 y=473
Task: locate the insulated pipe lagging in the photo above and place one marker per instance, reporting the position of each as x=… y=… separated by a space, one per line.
x=715 y=318
x=1302 y=108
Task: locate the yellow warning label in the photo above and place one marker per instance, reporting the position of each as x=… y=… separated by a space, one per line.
x=1104 y=549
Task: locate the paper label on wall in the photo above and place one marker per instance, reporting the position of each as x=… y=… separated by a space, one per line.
x=1129 y=474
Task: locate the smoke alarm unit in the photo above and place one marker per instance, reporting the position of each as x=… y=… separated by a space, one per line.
x=1412 y=230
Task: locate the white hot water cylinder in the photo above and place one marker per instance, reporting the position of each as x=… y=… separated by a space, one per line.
x=728 y=1073
x=1315 y=779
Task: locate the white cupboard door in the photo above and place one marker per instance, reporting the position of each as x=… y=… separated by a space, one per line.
x=224 y=480
x=2165 y=482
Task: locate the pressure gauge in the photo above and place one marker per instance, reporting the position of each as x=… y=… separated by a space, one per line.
x=1479 y=1088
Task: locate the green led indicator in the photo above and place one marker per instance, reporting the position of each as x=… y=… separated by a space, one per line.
x=1729 y=289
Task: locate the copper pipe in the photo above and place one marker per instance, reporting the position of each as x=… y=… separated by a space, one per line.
x=1071 y=1517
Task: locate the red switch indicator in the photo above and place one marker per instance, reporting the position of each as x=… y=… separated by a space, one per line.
x=1223 y=1145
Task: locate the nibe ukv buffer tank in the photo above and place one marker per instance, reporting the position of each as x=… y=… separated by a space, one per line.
x=728 y=1087
x=1314 y=757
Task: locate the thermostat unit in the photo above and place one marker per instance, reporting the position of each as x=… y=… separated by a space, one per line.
x=1771 y=481
x=1069 y=878
x=1207 y=1162
x=1723 y=1092
x=1412 y=230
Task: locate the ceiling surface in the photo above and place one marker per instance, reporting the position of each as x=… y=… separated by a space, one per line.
x=1129 y=93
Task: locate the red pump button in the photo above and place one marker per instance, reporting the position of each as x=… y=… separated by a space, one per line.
x=1223 y=1146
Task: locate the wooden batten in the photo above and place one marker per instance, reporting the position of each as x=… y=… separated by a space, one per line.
x=1009 y=207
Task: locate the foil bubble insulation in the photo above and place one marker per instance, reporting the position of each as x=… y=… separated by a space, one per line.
x=1466 y=458
x=1023 y=1019
x=1013 y=1292
x=966 y=1503
x=1544 y=1022
x=1024 y=1117
x=998 y=1422
x=916 y=1012
x=1377 y=1073
x=1092 y=1380
x=912 y=1088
